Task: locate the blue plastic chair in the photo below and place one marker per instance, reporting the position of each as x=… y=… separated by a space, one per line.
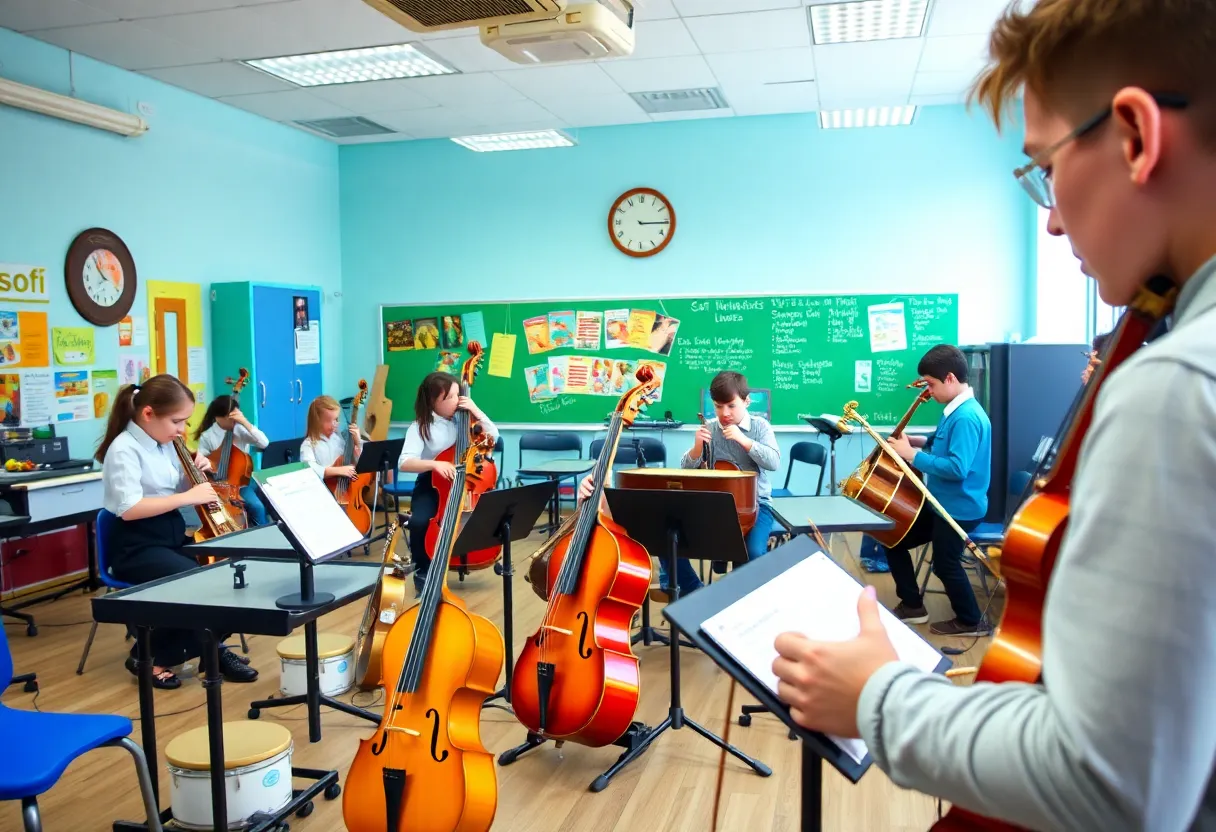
x=103 y=526
x=48 y=744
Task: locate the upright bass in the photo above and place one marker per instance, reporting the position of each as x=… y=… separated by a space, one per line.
x=425 y=768
x=230 y=463
x=1036 y=530
x=577 y=678
x=349 y=492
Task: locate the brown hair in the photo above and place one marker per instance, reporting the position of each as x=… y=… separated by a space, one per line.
x=728 y=384
x=163 y=393
x=220 y=407
x=942 y=360
x=319 y=405
x=435 y=386
x=1075 y=54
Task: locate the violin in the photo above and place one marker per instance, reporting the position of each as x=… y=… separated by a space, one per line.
x=481 y=558
x=349 y=492
x=577 y=678
x=1036 y=530
x=425 y=768
x=230 y=463
x=225 y=515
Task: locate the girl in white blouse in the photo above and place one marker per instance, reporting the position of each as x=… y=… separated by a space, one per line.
x=325 y=443
x=223 y=415
x=144 y=487
x=432 y=433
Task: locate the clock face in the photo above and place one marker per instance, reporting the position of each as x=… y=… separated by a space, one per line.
x=103 y=277
x=641 y=222
x=100 y=275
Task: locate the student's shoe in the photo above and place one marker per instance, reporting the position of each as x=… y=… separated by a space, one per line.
x=875 y=565
x=166 y=679
x=911 y=615
x=954 y=627
x=231 y=668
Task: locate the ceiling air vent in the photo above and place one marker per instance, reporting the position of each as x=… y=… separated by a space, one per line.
x=431 y=15
x=346 y=127
x=677 y=101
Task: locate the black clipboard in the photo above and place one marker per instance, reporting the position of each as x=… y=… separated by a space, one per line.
x=688 y=613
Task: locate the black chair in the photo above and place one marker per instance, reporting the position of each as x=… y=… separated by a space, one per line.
x=654 y=452
x=550 y=441
x=500 y=452
x=811 y=453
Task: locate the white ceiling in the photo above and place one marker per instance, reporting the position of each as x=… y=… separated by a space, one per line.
x=758 y=52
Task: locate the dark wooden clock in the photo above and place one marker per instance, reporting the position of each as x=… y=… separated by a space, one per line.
x=100 y=275
x=641 y=222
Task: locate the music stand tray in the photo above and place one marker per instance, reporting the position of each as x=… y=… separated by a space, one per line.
x=502 y=516
x=687 y=615
x=379 y=458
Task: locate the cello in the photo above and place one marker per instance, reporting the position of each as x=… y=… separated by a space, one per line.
x=230 y=463
x=708 y=461
x=349 y=492
x=577 y=679
x=1036 y=530
x=225 y=515
x=480 y=558
x=425 y=768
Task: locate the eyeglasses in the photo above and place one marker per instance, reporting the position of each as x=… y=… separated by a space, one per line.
x=1035 y=178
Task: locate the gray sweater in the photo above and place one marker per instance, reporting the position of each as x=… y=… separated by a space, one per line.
x=1123 y=734
x=764 y=456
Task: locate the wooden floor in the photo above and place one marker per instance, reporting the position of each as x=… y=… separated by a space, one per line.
x=670 y=787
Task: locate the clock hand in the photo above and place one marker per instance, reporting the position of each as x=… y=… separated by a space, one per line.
x=656 y=222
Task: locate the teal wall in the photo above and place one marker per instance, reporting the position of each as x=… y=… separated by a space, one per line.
x=210 y=193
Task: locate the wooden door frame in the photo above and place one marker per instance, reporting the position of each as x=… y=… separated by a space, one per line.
x=160 y=307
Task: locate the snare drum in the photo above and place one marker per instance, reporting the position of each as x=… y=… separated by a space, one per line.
x=257 y=773
x=335 y=658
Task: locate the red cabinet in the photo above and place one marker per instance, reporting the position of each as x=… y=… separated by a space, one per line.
x=41 y=560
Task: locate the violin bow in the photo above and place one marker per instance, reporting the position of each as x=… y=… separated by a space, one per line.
x=730 y=707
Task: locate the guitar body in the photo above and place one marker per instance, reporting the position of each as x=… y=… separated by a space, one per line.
x=596 y=684
x=479 y=558
x=349 y=494
x=879 y=484
x=388 y=601
x=450 y=783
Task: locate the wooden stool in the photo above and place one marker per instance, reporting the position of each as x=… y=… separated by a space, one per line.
x=257 y=773
x=335 y=660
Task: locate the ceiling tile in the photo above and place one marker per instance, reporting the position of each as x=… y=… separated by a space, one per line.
x=128 y=45
x=28 y=15
x=765 y=99
x=694 y=8
x=845 y=72
x=560 y=83
x=692 y=115
x=598 y=110
x=286 y=106
x=942 y=83
x=133 y=9
x=954 y=53
x=661 y=74
x=465 y=90
x=427 y=124
x=217 y=79
x=933 y=100
x=653 y=10
x=510 y=112
x=469 y=55
x=373 y=96
x=379 y=138
x=964 y=17
x=660 y=39
x=773 y=66
x=750 y=30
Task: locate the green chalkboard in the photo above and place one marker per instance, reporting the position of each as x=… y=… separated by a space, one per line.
x=809 y=353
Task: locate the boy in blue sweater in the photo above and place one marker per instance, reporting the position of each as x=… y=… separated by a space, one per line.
x=956 y=467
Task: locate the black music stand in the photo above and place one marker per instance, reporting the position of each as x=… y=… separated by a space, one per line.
x=379 y=458
x=281 y=452
x=833 y=432
x=500 y=517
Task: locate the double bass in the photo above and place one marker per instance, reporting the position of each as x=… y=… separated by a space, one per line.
x=577 y=678
x=387 y=601
x=1036 y=530
x=230 y=463
x=425 y=768
x=481 y=558
x=225 y=515
x=349 y=492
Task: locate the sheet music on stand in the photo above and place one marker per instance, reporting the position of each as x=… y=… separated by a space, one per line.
x=299 y=498
x=817 y=598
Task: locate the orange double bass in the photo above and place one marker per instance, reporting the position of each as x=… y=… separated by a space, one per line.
x=349 y=492
x=230 y=463
x=481 y=558
x=1033 y=537
x=577 y=678
x=426 y=769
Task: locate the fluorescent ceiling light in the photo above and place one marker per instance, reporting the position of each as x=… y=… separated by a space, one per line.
x=70 y=109
x=867 y=20
x=866 y=117
x=351 y=66
x=515 y=141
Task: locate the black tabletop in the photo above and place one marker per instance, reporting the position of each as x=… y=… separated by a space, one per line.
x=831 y=514
x=205 y=598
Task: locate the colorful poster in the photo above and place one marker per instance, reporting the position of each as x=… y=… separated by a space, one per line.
x=126 y=330
x=616 y=328
x=73 y=345
x=663 y=334
x=887 y=330
x=587 y=329
x=30 y=346
x=72 y=400
x=641 y=321
x=601 y=376
x=475 y=328
x=558 y=369
x=10 y=400
x=536 y=332
x=862 y=375
x=299 y=313
x=453 y=332
x=538 y=382
x=10 y=328
x=105 y=390
x=426 y=333
x=621 y=378
x=561 y=330
x=132 y=369
x=578 y=374
x=502 y=354
x=37 y=398
x=449 y=361
x=399 y=335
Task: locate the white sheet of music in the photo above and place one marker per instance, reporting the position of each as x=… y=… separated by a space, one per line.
x=309 y=509
x=818 y=599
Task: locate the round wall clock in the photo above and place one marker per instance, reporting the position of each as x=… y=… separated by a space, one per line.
x=641 y=222
x=100 y=274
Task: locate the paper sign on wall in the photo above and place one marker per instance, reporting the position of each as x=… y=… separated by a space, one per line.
x=502 y=355
x=105 y=390
x=72 y=345
x=37 y=398
x=23 y=284
x=308 y=344
x=24 y=340
x=72 y=400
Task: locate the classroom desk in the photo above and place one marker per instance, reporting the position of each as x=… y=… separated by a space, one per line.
x=831 y=514
x=257 y=541
x=557 y=470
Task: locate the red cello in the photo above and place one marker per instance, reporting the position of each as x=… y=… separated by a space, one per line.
x=577 y=678
x=1032 y=540
x=480 y=558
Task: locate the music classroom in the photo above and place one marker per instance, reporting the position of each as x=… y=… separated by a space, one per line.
x=380 y=454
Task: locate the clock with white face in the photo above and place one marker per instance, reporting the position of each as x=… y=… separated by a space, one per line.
x=100 y=275
x=641 y=222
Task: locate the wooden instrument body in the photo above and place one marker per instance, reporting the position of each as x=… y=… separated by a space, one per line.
x=724 y=476
x=222 y=517
x=479 y=558
x=237 y=470
x=451 y=783
x=349 y=494
x=596 y=684
x=880 y=484
x=388 y=601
